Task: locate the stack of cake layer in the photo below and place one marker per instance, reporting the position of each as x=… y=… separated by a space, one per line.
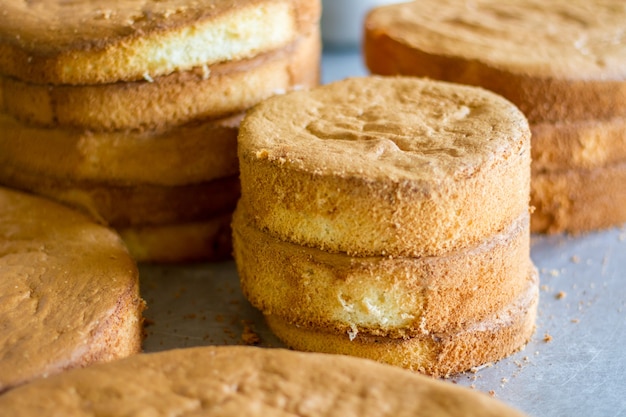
x=388 y=218
x=131 y=113
x=563 y=63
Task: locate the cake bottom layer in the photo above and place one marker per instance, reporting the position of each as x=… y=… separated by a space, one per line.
x=492 y=339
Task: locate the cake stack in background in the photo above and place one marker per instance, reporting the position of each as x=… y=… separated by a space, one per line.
x=563 y=63
x=388 y=218
x=131 y=113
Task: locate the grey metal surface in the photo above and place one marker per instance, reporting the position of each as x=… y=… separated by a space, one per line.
x=575 y=365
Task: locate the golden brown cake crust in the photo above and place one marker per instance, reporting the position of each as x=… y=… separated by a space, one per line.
x=385 y=166
x=578 y=145
x=49 y=255
x=82 y=42
x=139 y=204
x=393 y=297
x=122 y=157
x=203 y=241
x=579 y=200
x=511 y=48
x=250 y=381
x=490 y=340
x=201 y=93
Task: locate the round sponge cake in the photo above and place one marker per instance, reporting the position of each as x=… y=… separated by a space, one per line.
x=557 y=61
x=69 y=291
x=206 y=92
x=384 y=296
x=89 y=42
x=250 y=381
x=394 y=166
x=388 y=218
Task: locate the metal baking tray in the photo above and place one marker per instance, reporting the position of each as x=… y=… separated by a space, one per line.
x=575 y=365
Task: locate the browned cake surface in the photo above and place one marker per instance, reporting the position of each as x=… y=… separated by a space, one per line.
x=122 y=157
x=207 y=240
x=385 y=166
x=210 y=91
x=439 y=354
x=579 y=200
x=394 y=297
x=236 y=381
x=69 y=290
x=557 y=60
x=577 y=145
x=140 y=204
x=86 y=42
x=359 y=216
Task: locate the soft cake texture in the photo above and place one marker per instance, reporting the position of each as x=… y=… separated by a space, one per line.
x=557 y=61
x=579 y=200
x=385 y=166
x=90 y=42
x=121 y=157
x=388 y=218
x=69 y=291
x=395 y=297
x=578 y=145
x=437 y=354
x=207 y=92
x=130 y=113
x=236 y=381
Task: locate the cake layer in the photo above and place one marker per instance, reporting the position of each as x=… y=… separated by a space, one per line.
x=207 y=241
x=385 y=166
x=557 y=61
x=579 y=200
x=443 y=354
x=87 y=42
x=581 y=145
x=248 y=381
x=193 y=153
x=184 y=96
x=121 y=206
x=383 y=296
x=69 y=291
